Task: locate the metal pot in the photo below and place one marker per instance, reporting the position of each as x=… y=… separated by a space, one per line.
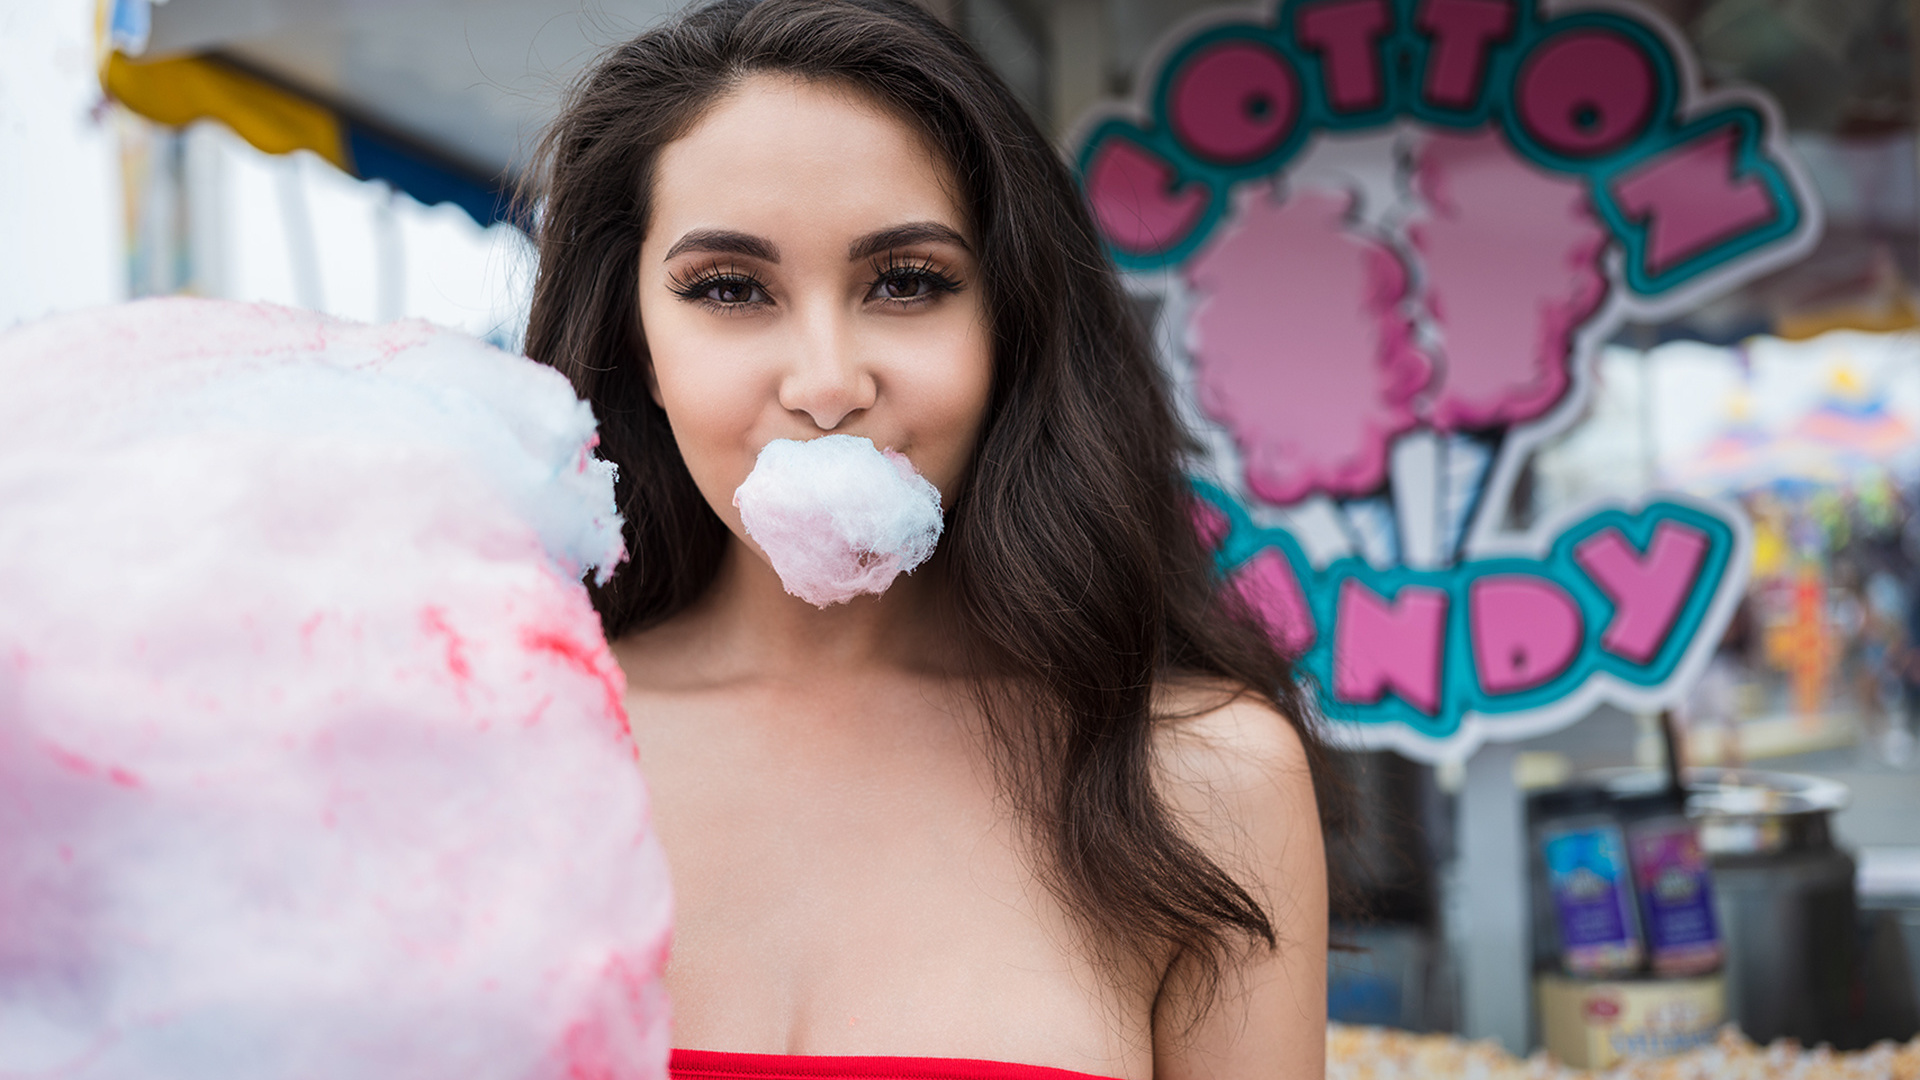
x=1784 y=897
x=1744 y=813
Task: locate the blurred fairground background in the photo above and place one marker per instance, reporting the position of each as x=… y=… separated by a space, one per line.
x=352 y=157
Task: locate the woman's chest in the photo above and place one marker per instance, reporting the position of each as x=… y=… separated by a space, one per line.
x=845 y=888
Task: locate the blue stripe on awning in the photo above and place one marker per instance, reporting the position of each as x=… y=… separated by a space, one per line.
x=380 y=157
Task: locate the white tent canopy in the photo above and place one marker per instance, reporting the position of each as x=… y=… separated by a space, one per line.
x=469 y=81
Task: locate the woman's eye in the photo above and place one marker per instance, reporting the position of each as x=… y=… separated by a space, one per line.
x=903 y=286
x=734 y=291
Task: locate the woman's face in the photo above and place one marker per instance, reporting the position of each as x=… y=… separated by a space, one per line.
x=807 y=270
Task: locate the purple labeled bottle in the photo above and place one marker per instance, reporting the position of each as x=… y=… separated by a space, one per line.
x=1675 y=885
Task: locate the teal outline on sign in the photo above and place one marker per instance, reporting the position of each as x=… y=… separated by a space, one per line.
x=1460 y=691
x=1404 y=54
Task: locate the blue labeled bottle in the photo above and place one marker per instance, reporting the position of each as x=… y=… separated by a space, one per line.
x=1591 y=882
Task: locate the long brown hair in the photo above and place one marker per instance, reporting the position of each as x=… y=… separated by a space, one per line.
x=1077 y=574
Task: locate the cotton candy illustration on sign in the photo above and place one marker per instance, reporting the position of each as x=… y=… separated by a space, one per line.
x=313 y=760
x=1322 y=422
x=1316 y=371
x=1445 y=300
x=1511 y=260
x=838 y=517
x=1364 y=332
x=1383 y=245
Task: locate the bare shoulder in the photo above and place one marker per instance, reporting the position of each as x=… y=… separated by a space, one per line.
x=1221 y=751
x=1237 y=776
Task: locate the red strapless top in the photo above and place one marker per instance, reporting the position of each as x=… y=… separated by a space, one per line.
x=721 y=1065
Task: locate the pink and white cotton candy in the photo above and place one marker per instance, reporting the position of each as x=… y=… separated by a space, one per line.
x=313 y=760
x=837 y=517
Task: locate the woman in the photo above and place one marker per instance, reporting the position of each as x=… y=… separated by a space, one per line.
x=1049 y=801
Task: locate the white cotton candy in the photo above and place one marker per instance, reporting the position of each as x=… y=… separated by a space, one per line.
x=313 y=759
x=837 y=517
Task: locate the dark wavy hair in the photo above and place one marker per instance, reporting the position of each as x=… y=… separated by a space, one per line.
x=1077 y=577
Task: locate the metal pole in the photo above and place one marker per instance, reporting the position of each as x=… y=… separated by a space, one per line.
x=1076 y=34
x=1492 y=944
x=1913 y=76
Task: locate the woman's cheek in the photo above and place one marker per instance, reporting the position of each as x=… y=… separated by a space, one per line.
x=957 y=407
x=716 y=392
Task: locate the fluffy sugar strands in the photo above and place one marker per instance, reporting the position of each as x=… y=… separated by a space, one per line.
x=837 y=517
x=313 y=760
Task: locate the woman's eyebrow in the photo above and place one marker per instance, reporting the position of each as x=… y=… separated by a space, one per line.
x=917 y=232
x=725 y=242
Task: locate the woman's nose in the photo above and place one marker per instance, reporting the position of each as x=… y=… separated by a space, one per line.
x=826 y=379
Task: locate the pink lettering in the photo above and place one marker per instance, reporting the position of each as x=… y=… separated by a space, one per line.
x=1135 y=201
x=1347 y=35
x=1463 y=33
x=1381 y=646
x=1272 y=593
x=1210 y=523
x=1585 y=92
x=1234 y=102
x=1526 y=631
x=1691 y=200
x=1647 y=592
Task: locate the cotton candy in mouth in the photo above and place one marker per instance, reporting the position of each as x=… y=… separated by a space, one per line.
x=837 y=516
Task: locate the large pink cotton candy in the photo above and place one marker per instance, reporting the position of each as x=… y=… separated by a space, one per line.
x=837 y=517
x=1300 y=346
x=1511 y=255
x=313 y=760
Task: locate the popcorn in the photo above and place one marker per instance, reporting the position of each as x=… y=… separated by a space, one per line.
x=1374 y=1053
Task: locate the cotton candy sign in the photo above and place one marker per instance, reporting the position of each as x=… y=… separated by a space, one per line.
x=1385 y=241
x=313 y=759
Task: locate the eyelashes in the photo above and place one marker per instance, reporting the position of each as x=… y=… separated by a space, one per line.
x=721 y=285
x=922 y=275
x=897 y=282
